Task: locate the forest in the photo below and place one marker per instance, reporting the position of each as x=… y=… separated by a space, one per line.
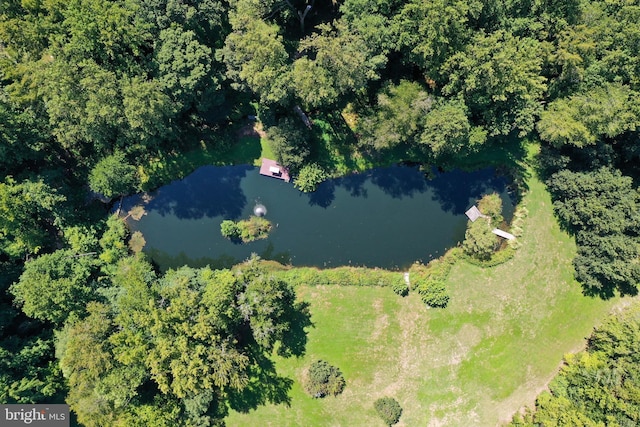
x=93 y=91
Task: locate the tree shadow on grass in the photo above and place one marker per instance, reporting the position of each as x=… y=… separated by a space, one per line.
x=294 y=342
x=265 y=385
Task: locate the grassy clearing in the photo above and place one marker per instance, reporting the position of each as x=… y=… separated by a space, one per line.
x=248 y=146
x=472 y=364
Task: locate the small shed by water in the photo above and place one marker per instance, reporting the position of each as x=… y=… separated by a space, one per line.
x=273 y=169
x=474 y=213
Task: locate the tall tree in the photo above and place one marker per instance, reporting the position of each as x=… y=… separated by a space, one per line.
x=29 y=212
x=499 y=77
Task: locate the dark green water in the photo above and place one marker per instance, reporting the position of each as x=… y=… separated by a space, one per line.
x=388 y=217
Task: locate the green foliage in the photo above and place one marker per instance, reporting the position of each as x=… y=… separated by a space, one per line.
x=229 y=229
x=582 y=119
x=491 y=205
x=194 y=335
x=29 y=211
x=324 y=379
x=499 y=77
x=113 y=243
x=309 y=177
x=398 y=117
x=388 y=409
x=400 y=288
x=27 y=372
x=113 y=176
x=55 y=286
x=479 y=241
x=447 y=129
x=256 y=58
x=340 y=62
x=430 y=280
x=597 y=386
x=290 y=143
x=254 y=228
x=601 y=202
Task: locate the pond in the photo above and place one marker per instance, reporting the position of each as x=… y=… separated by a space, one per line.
x=387 y=217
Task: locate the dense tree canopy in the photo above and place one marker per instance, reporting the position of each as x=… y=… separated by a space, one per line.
x=599 y=385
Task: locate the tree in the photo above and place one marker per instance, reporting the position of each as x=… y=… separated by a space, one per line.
x=602 y=202
x=447 y=129
x=29 y=211
x=479 y=241
x=582 y=119
x=601 y=208
x=185 y=68
x=56 y=286
x=398 y=116
x=113 y=176
x=491 y=205
x=499 y=77
x=309 y=177
x=428 y=33
x=388 y=409
x=597 y=386
x=256 y=59
x=337 y=62
x=290 y=143
x=324 y=379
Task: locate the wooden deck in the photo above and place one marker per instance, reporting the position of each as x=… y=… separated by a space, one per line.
x=274 y=170
x=474 y=213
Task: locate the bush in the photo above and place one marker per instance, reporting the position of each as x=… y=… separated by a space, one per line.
x=247 y=230
x=400 y=288
x=491 y=205
x=324 y=379
x=388 y=409
x=433 y=293
x=254 y=228
x=309 y=177
x=229 y=229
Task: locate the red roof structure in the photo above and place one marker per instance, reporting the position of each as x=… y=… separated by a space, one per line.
x=273 y=169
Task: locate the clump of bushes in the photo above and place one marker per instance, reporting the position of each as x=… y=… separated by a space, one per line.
x=388 y=409
x=429 y=281
x=247 y=230
x=309 y=177
x=324 y=379
x=401 y=288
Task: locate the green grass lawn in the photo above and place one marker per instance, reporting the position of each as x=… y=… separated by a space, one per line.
x=474 y=363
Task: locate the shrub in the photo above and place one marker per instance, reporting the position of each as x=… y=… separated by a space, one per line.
x=254 y=228
x=309 y=177
x=433 y=293
x=324 y=379
x=400 y=288
x=388 y=409
x=229 y=229
x=491 y=205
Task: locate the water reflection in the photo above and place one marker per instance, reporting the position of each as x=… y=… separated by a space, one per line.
x=388 y=217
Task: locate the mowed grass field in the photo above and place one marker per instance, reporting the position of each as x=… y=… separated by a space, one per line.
x=475 y=363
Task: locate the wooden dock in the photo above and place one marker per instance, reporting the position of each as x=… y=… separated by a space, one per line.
x=274 y=170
